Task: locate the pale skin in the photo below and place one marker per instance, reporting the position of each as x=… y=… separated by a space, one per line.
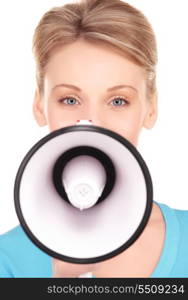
x=94 y=69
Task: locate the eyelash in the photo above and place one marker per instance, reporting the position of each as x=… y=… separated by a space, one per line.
x=115 y=98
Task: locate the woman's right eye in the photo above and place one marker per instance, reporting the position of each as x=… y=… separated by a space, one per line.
x=68 y=100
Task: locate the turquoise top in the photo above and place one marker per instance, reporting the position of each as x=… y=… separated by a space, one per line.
x=19 y=257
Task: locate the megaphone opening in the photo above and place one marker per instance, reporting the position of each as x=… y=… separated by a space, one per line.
x=63 y=162
x=91 y=235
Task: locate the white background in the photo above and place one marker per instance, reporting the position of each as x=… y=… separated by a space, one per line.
x=164 y=148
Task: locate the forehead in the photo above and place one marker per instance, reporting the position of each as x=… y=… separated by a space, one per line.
x=83 y=62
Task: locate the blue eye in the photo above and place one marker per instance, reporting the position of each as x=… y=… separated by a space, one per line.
x=119 y=102
x=70 y=100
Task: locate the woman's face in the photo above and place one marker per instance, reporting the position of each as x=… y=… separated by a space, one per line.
x=91 y=82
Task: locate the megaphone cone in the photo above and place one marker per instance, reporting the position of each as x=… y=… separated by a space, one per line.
x=83 y=194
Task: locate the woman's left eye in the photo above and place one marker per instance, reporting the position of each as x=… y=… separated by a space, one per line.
x=119 y=102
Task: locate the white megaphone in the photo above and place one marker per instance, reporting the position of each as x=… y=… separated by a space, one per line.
x=83 y=193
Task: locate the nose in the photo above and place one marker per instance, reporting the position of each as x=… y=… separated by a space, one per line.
x=84 y=122
x=89 y=122
x=92 y=113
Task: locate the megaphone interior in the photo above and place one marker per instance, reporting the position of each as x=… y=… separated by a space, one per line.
x=83 y=194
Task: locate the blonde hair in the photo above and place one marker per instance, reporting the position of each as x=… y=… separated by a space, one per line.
x=114 y=23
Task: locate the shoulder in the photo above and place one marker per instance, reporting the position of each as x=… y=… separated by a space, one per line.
x=11 y=236
x=177 y=242
x=19 y=257
x=182 y=216
x=176 y=218
x=170 y=213
x=16 y=241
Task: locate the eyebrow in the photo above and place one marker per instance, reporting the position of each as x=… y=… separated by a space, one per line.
x=108 y=90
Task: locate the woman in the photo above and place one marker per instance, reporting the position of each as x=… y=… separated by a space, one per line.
x=96 y=60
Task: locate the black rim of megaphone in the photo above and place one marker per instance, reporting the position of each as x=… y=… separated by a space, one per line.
x=143 y=166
